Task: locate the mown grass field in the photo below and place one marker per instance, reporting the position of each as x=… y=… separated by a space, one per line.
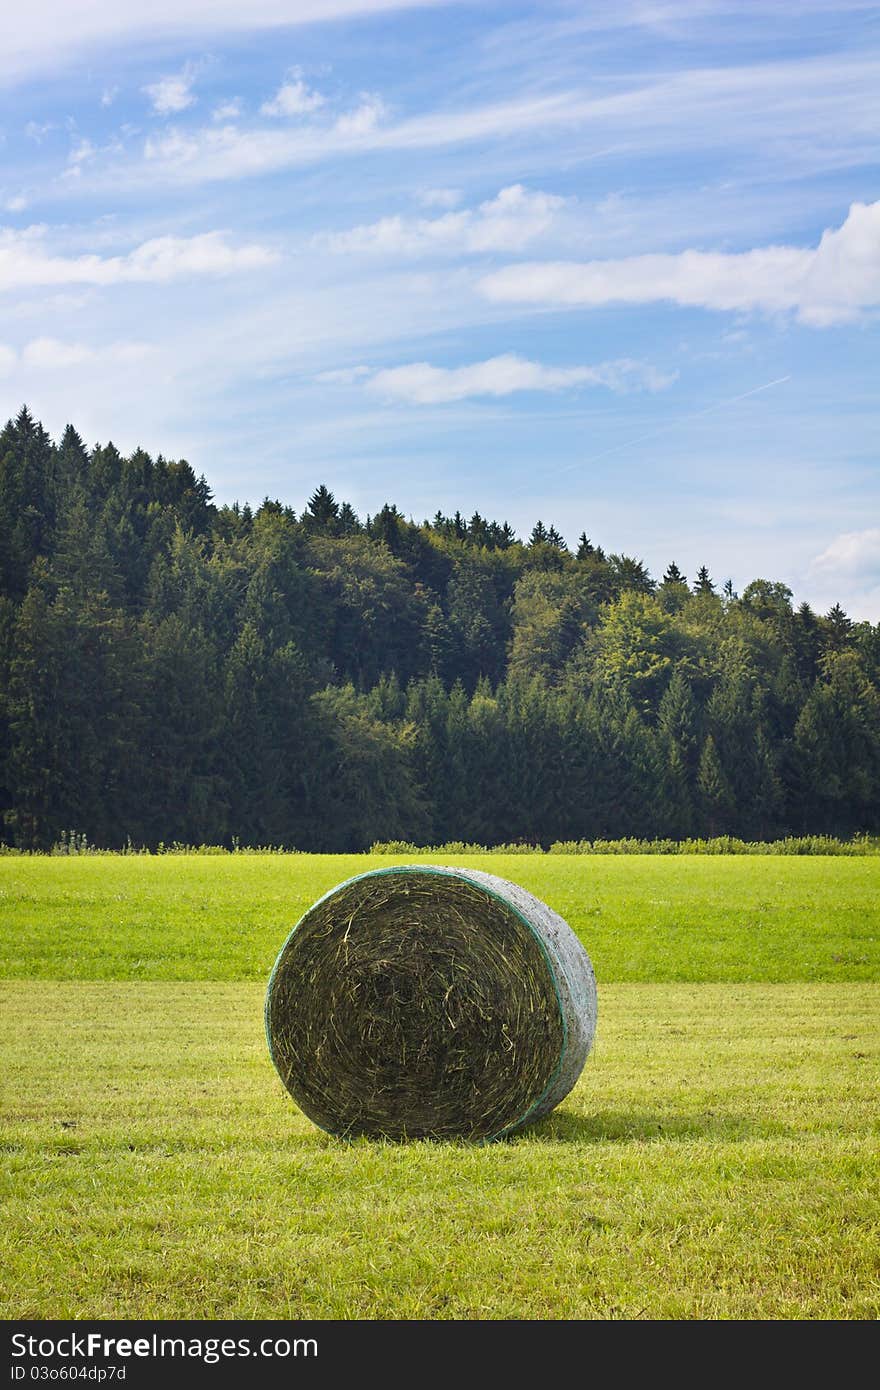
x=642 y=918
x=717 y=1159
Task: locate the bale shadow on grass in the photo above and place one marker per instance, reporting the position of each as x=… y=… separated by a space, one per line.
x=640 y=1127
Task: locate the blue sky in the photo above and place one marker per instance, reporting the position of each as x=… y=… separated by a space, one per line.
x=614 y=266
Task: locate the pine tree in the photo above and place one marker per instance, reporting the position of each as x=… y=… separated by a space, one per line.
x=71 y=471
x=703 y=583
x=838 y=629
x=677 y=812
x=837 y=744
x=678 y=720
x=437 y=642
x=386 y=528
x=585 y=547
x=539 y=534
x=554 y=539
x=630 y=574
x=673 y=593
x=322 y=512
x=806 y=636
x=349 y=525
x=767 y=791
x=717 y=798
x=27 y=500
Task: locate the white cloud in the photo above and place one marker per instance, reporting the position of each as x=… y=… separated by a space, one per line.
x=423 y=384
x=848 y=572
x=221 y=152
x=173 y=93
x=109 y=95
x=804 y=114
x=344 y=376
x=17 y=203
x=226 y=151
x=48 y=33
x=38 y=130
x=25 y=260
x=51 y=354
x=830 y=283
x=81 y=151
x=440 y=197
x=854 y=555
x=227 y=110
x=293 y=98
x=364 y=119
x=504 y=223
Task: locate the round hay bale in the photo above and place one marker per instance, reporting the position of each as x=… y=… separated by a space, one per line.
x=426 y=1002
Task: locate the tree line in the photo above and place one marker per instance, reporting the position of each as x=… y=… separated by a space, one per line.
x=171 y=669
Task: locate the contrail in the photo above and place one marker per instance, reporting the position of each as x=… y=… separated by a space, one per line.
x=664 y=429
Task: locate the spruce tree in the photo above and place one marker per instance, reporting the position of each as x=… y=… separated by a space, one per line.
x=717 y=798
x=555 y=539
x=678 y=720
x=322 y=512
x=703 y=583
x=673 y=593
x=27 y=500
x=349 y=525
x=838 y=629
x=585 y=547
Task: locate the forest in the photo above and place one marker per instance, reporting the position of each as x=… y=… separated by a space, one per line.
x=174 y=670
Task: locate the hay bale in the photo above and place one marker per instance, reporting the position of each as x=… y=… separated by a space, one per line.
x=420 y=1002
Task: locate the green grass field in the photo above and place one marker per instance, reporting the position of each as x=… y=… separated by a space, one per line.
x=717 y=1159
x=643 y=918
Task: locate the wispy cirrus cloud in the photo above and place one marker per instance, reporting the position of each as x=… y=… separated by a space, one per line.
x=833 y=282
x=26 y=260
x=420 y=383
x=81 y=151
x=800 y=114
x=55 y=33
x=219 y=152
x=38 y=130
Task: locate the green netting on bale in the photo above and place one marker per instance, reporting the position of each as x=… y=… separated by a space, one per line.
x=425 y=1002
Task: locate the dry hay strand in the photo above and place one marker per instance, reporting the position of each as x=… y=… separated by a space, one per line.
x=425 y=1002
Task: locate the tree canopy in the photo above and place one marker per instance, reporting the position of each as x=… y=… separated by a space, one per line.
x=173 y=669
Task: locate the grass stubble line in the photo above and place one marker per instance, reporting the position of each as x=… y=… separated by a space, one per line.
x=717 y=1159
